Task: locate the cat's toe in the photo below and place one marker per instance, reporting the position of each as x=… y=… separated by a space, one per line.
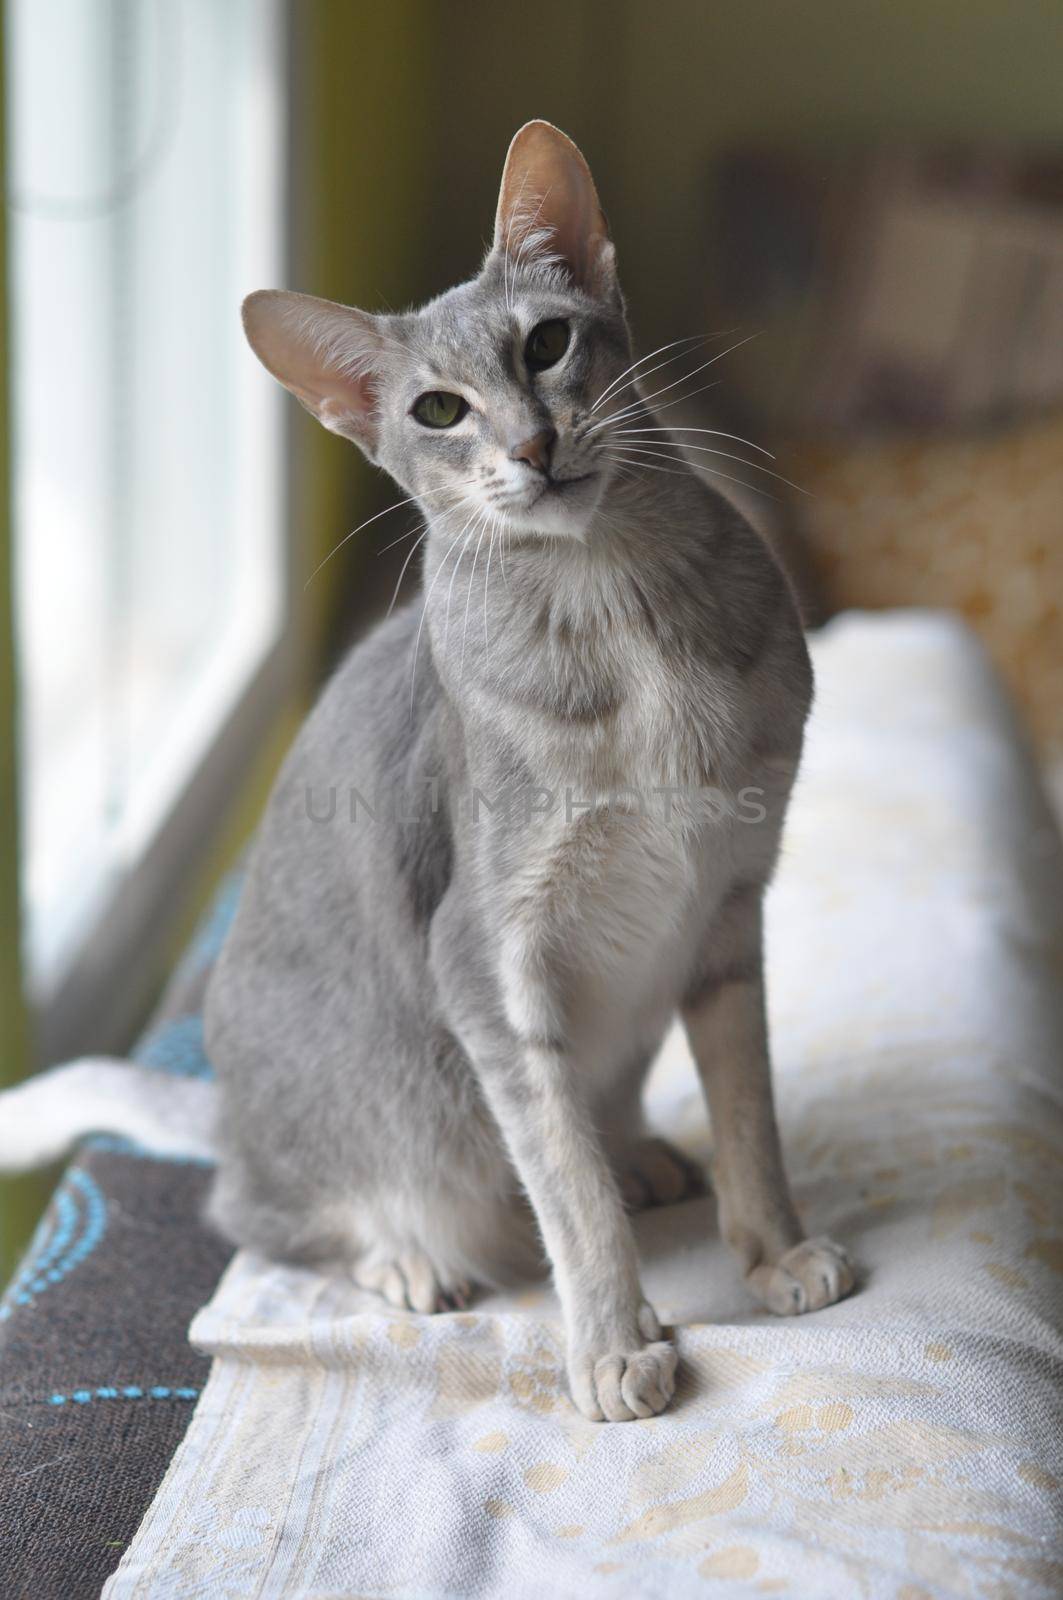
x=624 y=1384
x=813 y=1274
x=656 y=1173
x=423 y=1288
x=410 y=1283
x=458 y=1297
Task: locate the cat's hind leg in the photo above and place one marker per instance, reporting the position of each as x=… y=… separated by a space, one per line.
x=429 y=1249
x=424 y=1263
x=650 y=1170
x=726 y=1023
x=340 y=1235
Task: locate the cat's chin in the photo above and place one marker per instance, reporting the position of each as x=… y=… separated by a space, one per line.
x=561 y=511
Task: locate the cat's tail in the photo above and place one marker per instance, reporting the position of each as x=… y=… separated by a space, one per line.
x=42 y=1118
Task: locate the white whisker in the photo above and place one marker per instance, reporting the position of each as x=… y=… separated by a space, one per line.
x=410 y=555
x=386 y=548
x=690 y=338
x=502 y=532
x=424 y=613
x=679 y=400
x=487 y=580
x=410 y=498
x=695 y=466
x=645 y=400
x=398 y=504
x=716 y=432
x=471 y=525
x=728 y=455
x=468 y=602
x=629 y=461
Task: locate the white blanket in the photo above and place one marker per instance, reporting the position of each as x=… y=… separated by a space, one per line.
x=903 y=1444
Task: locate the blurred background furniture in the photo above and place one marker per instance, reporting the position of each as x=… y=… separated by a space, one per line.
x=908 y=370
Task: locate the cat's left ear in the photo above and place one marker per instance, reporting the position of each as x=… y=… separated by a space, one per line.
x=548 y=207
x=330 y=356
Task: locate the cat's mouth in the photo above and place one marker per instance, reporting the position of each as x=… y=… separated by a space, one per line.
x=563 y=485
x=558 y=505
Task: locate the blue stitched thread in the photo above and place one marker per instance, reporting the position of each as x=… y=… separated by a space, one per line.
x=46 y=1244
x=58 y=1246
x=131 y=1392
x=177 y=1048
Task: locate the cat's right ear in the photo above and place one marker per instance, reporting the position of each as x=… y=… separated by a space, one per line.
x=329 y=356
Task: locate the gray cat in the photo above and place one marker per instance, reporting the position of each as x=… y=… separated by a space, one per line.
x=531 y=818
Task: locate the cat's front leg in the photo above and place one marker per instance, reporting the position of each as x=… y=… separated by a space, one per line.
x=619 y=1367
x=726 y=1024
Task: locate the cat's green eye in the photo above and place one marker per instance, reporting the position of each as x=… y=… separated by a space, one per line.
x=437 y=409
x=546 y=344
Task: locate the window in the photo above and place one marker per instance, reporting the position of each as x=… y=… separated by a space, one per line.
x=145 y=198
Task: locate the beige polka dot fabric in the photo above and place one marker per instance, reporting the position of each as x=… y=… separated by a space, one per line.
x=903 y=1445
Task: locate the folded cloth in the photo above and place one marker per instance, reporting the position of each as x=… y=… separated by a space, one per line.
x=905 y=1443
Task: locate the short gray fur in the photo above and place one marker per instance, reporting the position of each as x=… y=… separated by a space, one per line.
x=424 y=1020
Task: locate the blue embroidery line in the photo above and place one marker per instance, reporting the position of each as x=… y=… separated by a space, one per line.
x=131 y=1391
x=57 y=1256
x=177 y=1048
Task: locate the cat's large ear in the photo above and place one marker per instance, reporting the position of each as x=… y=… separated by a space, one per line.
x=329 y=356
x=548 y=207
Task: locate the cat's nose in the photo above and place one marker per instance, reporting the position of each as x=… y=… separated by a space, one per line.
x=536 y=450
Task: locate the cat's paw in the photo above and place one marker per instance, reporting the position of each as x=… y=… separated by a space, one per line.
x=411 y=1283
x=654 y=1173
x=813 y=1274
x=624 y=1378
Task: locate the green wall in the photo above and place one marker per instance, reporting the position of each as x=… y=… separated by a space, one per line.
x=361 y=163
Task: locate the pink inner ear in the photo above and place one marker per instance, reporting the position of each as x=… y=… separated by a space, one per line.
x=548 y=203
x=324 y=353
x=345 y=404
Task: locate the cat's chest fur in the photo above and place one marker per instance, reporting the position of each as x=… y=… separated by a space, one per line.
x=592 y=695
x=621 y=836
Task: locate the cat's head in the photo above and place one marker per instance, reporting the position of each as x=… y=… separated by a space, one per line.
x=482 y=400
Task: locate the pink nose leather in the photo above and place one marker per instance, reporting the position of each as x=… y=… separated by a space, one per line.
x=536 y=450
